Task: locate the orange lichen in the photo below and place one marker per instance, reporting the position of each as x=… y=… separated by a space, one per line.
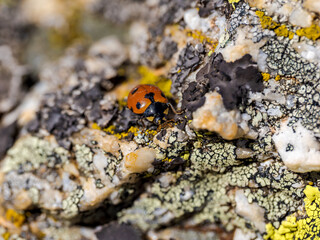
x=95 y=126
x=266 y=21
x=6 y=235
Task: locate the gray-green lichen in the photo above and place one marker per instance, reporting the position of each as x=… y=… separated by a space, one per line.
x=214 y=157
x=201 y=194
x=84 y=158
x=70 y=205
x=30 y=152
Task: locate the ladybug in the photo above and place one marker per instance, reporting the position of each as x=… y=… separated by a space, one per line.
x=150 y=102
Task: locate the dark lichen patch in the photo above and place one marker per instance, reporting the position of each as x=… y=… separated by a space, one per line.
x=63 y=114
x=193 y=98
x=7 y=136
x=119 y=231
x=189 y=59
x=232 y=80
x=207 y=7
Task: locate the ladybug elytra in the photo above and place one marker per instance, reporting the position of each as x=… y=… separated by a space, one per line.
x=148 y=101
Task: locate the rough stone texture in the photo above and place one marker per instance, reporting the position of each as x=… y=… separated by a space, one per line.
x=75 y=156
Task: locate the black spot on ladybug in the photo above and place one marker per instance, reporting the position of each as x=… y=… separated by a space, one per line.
x=150 y=96
x=138 y=105
x=134 y=91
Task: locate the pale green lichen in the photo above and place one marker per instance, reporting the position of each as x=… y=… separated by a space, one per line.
x=70 y=205
x=202 y=191
x=84 y=158
x=30 y=152
x=112 y=165
x=214 y=157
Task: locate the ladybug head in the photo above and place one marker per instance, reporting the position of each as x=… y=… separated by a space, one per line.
x=156 y=112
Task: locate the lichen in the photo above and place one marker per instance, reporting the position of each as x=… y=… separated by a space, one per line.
x=214 y=157
x=70 y=205
x=150 y=77
x=265 y=76
x=312 y=32
x=30 y=152
x=84 y=158
x=307 y=227
x=14 y=217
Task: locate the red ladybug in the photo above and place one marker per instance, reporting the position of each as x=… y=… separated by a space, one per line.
x=148 y=101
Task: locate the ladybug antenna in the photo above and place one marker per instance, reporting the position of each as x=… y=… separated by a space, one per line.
x=173 y=110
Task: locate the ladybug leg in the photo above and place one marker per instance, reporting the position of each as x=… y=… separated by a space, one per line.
x=173 y=110
x=140 y=120
x=166 y=124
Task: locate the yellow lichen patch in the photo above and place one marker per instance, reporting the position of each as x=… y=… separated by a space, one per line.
x=16 y=218
x=95 y=126
x=233 y=2
x=111 y=130
x=132 y=130
x=266 y=21
x=150 y=77
x=305 y=228
x=277 y=78
x=198 y=35
x=6 y=235
x=283 y=31
x=167 y=159
x=312 y=32
x=265 y=76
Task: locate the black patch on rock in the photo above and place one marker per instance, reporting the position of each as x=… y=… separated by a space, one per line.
x=193 y=98
x=167 y=48
x=116 y=231
x=63 y=114
x=170 y=16
x=125 y=119
x=176 y=164
x=161 y=134
x=189 y=60
x=8 y=135
x=206 y=7
x=232 y=80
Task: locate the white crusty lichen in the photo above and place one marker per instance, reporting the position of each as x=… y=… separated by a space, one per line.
x=298 y=148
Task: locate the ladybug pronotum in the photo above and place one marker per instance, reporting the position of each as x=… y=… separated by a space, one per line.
x=148 y=101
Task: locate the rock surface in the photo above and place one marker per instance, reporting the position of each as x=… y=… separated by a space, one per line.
x=236 y=157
